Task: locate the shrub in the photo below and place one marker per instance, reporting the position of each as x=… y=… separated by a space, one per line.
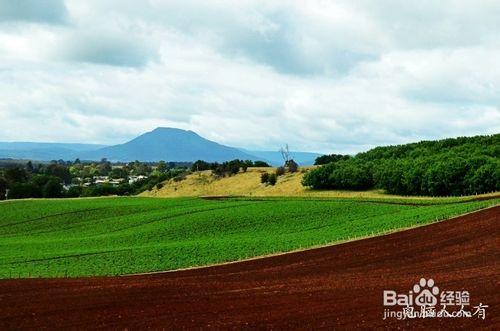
x=264 y=178
x=272 y=179
x=280 y=171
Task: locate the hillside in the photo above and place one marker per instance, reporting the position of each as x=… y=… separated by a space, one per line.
x=247 y=183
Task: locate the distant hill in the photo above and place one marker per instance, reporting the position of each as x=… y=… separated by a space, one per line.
x=44 y=151
x=169 y=144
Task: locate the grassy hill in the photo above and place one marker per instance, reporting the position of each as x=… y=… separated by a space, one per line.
x=247 y=183
x=108 y=236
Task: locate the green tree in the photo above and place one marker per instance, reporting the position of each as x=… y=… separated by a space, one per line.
x=60 y=171
x=74 y=192
x=15 y=175
x=162 y=166
x=325 y=159
x=104 y=167
x=486 y=178
x=3 y=188
x=29 y=167
x=261 y=164
x=23 y=191
x=118 y=173
x=52 y=189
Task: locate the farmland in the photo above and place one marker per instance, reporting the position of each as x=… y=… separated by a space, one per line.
x=111 y=236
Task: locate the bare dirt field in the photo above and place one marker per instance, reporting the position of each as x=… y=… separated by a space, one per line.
x=332 y=287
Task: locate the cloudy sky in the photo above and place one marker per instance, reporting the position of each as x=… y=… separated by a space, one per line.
x=326 y=76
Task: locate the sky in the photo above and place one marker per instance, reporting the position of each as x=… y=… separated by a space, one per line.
x=324 y=76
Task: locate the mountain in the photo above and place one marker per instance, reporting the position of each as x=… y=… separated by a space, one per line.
x=44 y=151
x=169 y=144
x=275 y=158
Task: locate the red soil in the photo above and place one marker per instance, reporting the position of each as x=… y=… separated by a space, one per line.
x=333 y=287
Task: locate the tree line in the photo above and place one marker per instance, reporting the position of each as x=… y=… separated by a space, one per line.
x=66 y=179
x=448 y=167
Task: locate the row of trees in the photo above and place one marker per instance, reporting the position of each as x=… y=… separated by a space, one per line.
x=34 y=181
x=460 y=166
x=227 y=168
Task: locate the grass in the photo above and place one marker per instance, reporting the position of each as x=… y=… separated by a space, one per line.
x=111 y=236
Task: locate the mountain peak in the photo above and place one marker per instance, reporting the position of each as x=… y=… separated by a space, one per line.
x=166 y=128
x=169 y=130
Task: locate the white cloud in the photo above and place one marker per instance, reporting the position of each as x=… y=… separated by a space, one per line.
x=323 y=76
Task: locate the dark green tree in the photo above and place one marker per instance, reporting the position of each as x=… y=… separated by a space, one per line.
x=3 y=188
x=272 y=179
x=162 y=166
x=52 y=189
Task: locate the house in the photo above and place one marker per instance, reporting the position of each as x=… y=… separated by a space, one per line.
x=133 y=179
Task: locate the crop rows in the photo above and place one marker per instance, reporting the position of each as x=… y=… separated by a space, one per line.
x=111 y=236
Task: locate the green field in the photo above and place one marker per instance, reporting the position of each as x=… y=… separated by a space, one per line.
x=110 y=236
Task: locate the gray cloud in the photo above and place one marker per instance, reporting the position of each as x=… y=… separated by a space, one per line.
x=323 y=76
x=44 y=11
x=105 y=49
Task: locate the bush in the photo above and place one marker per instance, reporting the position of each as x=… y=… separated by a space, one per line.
x=264 y=178
x=272 y=179
x=280 y=171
